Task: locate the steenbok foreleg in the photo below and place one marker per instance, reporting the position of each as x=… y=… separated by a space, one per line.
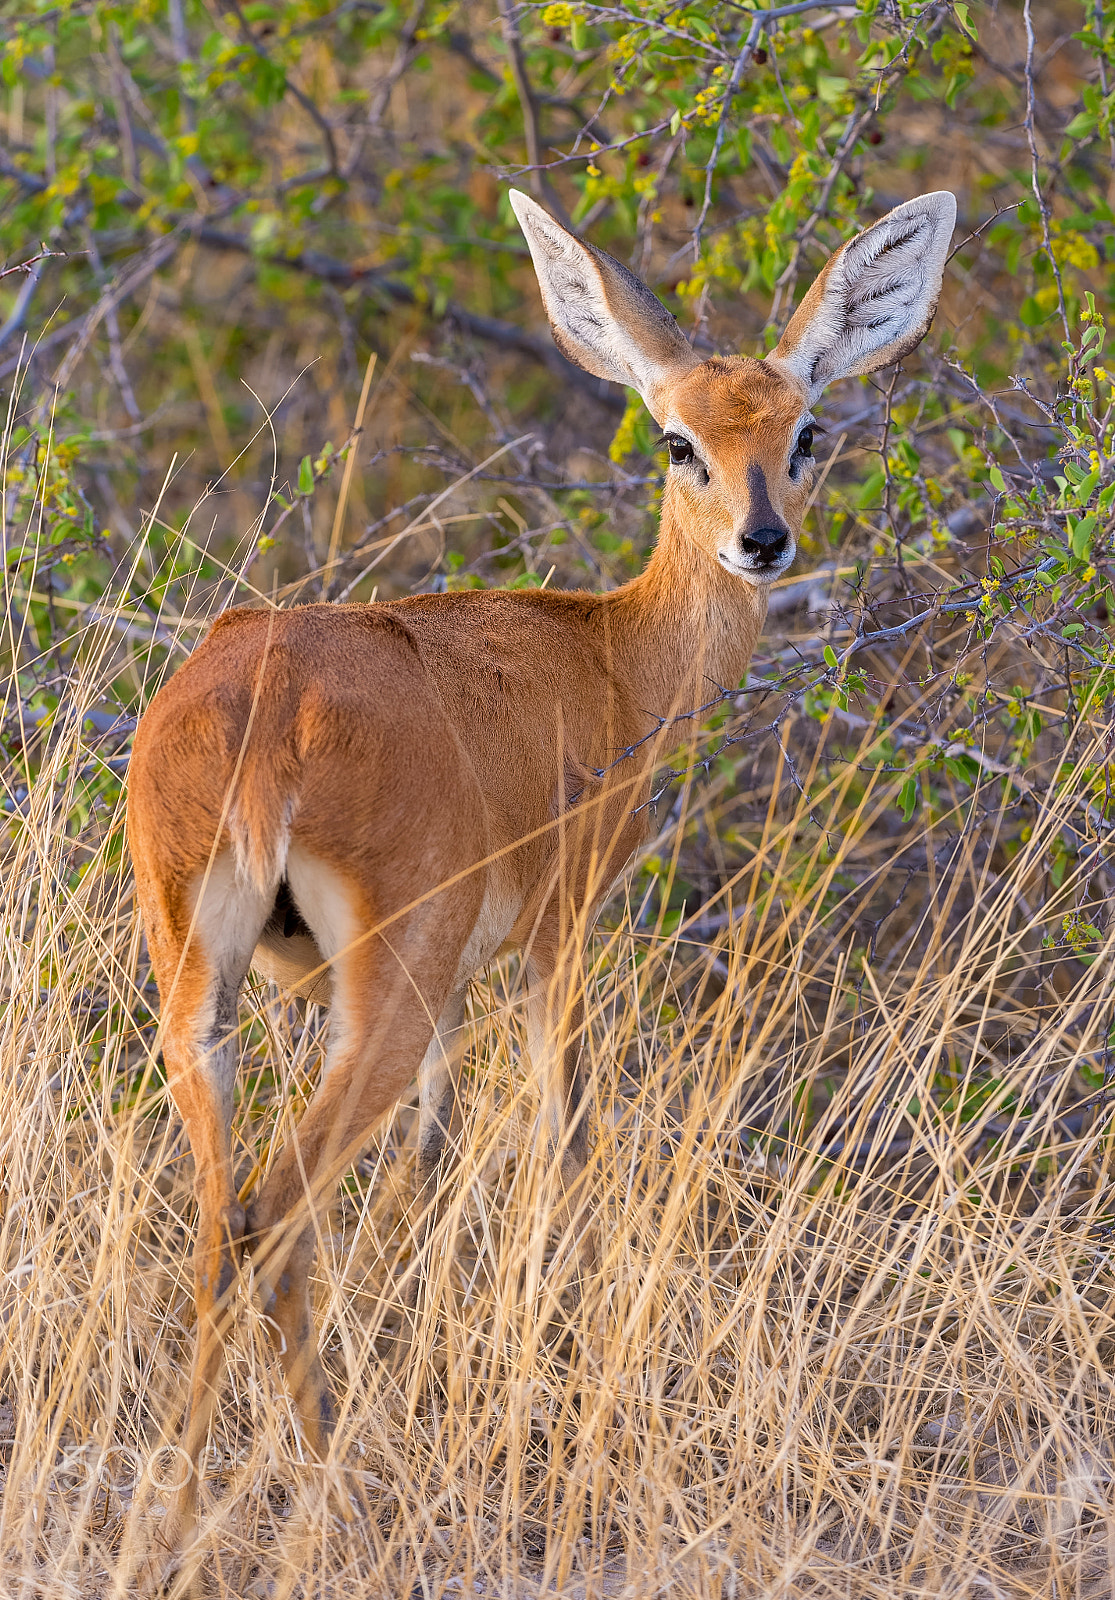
x=439 y=1127
x=555 y=1030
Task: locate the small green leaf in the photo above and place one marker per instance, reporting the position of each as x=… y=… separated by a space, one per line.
x=961 y=12
x=908 y=797
x=305 y=476
x=697 y=24
x=831 y=658
x=675 y=122
x=1083 y=123
x=1082 y=537
x=1085 y=487
x=998 y=480
x=831 y=90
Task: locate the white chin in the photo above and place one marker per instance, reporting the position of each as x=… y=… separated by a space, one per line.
x=759 y=576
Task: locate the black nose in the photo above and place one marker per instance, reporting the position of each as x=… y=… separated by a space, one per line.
x=766 y=543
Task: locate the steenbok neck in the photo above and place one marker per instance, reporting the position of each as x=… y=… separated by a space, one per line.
x=684 y=626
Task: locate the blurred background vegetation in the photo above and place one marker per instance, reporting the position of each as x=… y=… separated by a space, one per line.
x=268 y=330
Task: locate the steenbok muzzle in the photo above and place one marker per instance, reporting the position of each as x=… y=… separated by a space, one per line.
x=370 y=802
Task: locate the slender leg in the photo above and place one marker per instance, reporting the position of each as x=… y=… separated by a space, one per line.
x=388 y=992
x=439 y=1123
x=439 y=1106
x=220 y=1226
x=200 y=983
x=555 y=1028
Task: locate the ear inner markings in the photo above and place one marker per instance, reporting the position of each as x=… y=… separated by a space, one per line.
x=602 y=317
x=876 y=298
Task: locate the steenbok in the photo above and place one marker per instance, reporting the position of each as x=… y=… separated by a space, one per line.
x=369 y=802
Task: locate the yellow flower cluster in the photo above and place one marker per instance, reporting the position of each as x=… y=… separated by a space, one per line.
x=623 y=440
x=706 y=105
x=1072 y=249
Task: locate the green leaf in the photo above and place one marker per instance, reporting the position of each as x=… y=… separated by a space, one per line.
x=1083 y=123
x=1085 y=486
x=831 y=657
x=1082 y=537
x=305 y=476
x=831 y=89
x=998 y=480
x=958 y=439
x=961 y=13
x=697 y=24
x=675 y=123
x=908 y=797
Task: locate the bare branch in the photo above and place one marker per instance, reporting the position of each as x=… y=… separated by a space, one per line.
x=33 y=269
x=1035 y=176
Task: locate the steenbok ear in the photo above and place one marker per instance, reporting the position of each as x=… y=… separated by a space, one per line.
x=875 y=299
x=602 y=317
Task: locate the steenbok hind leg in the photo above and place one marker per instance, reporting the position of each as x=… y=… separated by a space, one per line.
x=199 y=986
x=385 y=1002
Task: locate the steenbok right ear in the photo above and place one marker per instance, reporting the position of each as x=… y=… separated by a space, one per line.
x=875 y=299
x=602 y=317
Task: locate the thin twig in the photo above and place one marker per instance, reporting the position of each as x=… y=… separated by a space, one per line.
x=1035 y=176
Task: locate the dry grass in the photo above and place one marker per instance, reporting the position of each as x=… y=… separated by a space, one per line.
x=856 y=1301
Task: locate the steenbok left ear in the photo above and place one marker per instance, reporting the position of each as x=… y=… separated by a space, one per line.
x=875 y=299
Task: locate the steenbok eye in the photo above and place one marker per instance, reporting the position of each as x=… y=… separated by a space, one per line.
x=804 y=446
x=681 y=450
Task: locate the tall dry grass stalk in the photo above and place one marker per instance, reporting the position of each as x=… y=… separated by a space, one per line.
x=856 y=1327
